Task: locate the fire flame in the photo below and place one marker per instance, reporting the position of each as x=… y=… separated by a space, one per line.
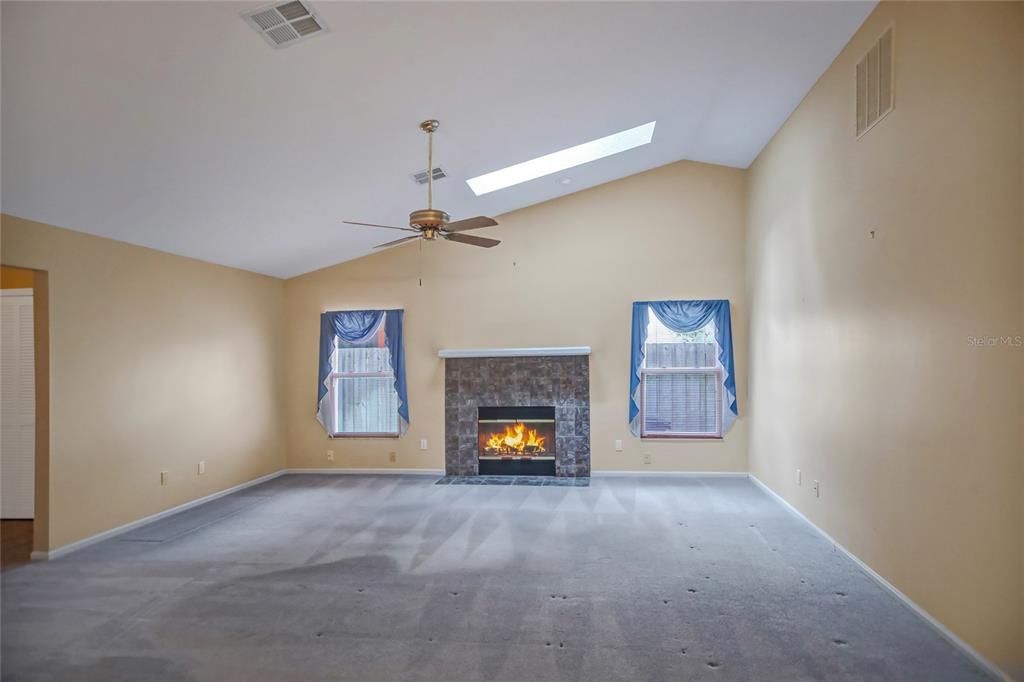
x=518 y=438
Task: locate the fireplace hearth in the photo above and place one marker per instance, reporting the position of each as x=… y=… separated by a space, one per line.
x=516 y=441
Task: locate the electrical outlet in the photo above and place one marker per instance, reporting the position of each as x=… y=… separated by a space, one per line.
x=618 y=446
x=392 y=457
x=799 y=477
x=816 y=489
x=201 y=469
x=164 y=477
x=423 y=443
x=647 y=458
x=330 y=455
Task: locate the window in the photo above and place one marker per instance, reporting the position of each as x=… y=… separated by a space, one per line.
x=680 y=383
x=362 y=388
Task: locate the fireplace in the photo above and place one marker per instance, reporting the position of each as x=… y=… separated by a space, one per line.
x=477 y=381
x=516 y=441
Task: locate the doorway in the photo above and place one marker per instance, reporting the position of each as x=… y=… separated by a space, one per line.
x=18 y=424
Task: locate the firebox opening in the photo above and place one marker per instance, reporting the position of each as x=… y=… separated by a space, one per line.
x=516 y=441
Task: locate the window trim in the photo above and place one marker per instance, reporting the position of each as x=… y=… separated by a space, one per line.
x=716 y=371
x=331 y=396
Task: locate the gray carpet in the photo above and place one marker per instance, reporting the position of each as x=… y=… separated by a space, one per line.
x=395 y=578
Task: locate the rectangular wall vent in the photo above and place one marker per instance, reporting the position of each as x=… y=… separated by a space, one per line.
x=875 y=83
x=285 y=23
x=421 y=177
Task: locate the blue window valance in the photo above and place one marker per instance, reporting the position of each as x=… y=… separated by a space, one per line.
x=358 y=326
x=682 y=317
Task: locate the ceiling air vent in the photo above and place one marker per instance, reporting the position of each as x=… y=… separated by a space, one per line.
x=421 y=177
x=285 y=23
x=874 y=84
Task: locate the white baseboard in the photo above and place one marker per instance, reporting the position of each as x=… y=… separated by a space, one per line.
x=924 y=615
x=440 y=472
x=356 y=472
x=663 y=474
x=99 y=537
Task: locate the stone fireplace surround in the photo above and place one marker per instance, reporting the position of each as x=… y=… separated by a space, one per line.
x=504 y=378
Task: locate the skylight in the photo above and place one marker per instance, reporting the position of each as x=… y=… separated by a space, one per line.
x=560 y=160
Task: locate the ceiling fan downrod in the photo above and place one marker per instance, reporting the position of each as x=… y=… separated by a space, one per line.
x=429 y=127
x=429 y=220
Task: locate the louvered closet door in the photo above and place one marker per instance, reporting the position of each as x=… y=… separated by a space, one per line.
x=18 y=403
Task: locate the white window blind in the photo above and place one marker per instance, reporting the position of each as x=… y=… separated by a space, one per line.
x=680 y=384
x=362 y=390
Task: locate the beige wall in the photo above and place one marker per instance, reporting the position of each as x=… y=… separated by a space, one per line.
x=565 y=275
x=862 y=374
x=157 y=362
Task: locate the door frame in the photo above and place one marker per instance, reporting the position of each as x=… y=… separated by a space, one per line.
x=41 y=341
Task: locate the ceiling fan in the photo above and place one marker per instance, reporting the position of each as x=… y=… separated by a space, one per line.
x=430 y=223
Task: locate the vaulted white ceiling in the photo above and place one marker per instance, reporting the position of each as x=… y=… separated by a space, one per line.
x=175 y=126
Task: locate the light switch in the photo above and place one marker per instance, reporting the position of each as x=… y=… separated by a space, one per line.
x=423 y=443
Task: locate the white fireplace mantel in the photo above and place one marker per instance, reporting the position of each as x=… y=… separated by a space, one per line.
x=512 y=352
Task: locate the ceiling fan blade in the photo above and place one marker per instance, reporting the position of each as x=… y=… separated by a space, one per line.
x=390 y=227
x=396 y=242
x=470 y=224
x=471 y=240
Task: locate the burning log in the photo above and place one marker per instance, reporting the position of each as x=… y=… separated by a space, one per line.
x=515 y=440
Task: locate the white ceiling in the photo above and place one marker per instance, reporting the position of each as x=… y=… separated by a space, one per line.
x=175 y=126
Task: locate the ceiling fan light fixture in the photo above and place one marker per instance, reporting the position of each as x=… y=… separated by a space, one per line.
x=561 y=160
